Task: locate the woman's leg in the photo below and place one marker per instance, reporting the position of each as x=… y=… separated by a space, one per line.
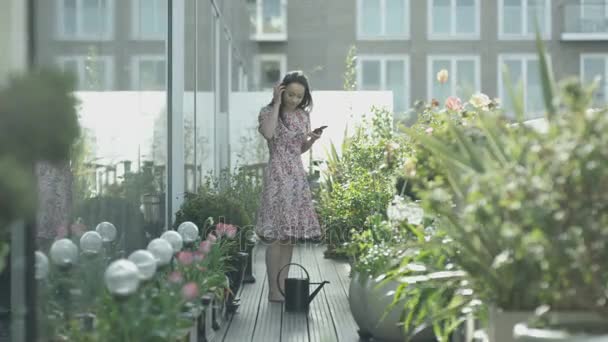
x=273 y=259
x=285 y=258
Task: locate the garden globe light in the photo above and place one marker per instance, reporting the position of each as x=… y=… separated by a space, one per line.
x=64 y=253
x=174 y=239
x=188 y=231
x=107 y=231
x=42 y=266
x=91 y=243
x=122 y=277
x=162 y=251
x=145 y=262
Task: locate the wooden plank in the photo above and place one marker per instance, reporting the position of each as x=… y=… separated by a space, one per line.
x=268 y=318
x=342 y=269
x=294 y=325
x=242 y=323
x=336 y=295
x=320 y=321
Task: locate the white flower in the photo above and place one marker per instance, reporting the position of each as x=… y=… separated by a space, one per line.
x=480 y=101
x=442 y=76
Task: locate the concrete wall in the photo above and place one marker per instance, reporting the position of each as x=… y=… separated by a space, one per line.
x=13 y=38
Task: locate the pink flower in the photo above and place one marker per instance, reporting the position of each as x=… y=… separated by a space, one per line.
x=429 y=130
x=190 y=291
x=453 y=103
x=78 y=229
x=227 y=230
x=205 y=246
x=231 y=232
x=220 y=229
x=176 y=277
x=211 y=238
x=199 y=256
x=61 y=232
x=185 y=258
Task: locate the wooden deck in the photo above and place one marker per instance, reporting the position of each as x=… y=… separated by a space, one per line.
x=328 y=320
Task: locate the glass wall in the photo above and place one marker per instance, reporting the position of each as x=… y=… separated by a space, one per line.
x=116 y=50
x=153 y=82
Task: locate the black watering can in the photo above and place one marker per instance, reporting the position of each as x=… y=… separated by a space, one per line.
x=297 y=294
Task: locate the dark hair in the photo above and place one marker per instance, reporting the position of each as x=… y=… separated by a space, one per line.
x=297 y=77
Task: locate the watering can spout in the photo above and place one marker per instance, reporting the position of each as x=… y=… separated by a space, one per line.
x=312 y=295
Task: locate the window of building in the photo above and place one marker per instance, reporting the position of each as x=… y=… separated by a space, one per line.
x=383 y=19
x=269 y=19
x=386 y=73
x=85 y=19
x=148 y=72
x=517 y=18
x=149 y=19
x=270 y=70
x=524 y=73
x=454 y=19
x=91 y=72
x=593 y=66
x=463 y=80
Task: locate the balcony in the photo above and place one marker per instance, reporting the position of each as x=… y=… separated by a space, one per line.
x=586 y=21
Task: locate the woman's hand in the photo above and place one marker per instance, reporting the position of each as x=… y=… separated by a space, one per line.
x=277 y=95
x=315 y=136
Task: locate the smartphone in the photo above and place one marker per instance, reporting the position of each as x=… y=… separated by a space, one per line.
x=319 y=130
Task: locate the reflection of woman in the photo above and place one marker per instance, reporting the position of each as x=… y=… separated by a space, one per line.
x=286 y=211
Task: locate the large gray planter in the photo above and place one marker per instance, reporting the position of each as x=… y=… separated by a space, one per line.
x=574 y=320
x=368 y=301
x=357 y=299
x=501 y=323
x=379 y=298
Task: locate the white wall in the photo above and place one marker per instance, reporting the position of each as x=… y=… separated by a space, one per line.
x=338 y=110
x=13 y=37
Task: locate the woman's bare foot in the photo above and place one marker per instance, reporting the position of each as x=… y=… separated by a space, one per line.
x=278 y=298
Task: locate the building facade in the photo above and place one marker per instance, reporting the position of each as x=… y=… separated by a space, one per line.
x=401 y=44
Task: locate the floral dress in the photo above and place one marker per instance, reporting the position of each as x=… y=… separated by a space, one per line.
x=286 y=209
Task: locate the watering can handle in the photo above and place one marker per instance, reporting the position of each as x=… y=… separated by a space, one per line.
x=281 y=270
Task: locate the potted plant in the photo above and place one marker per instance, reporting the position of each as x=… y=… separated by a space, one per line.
x=221 y=215
x=527 y=212
x=358 y=181
x=376 y=253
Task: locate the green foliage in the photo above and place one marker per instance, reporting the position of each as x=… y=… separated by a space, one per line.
x=121 y=212
x=134 y=185
x=419 y=167
x=242 y=185
x=350 y=74
x=158 y=311
x=208 y=207
x=37 y=122
x=38 y=117
x=359 y=182
x=530 y=217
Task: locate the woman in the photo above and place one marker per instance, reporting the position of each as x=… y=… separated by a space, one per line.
x=286 y=212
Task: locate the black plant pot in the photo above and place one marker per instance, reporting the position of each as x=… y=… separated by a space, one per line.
x=249 y=278
x=203 y=334
x=236 y=280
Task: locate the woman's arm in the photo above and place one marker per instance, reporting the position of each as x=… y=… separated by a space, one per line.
x=269 y=121
x=311 y=136
x=307 y=144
